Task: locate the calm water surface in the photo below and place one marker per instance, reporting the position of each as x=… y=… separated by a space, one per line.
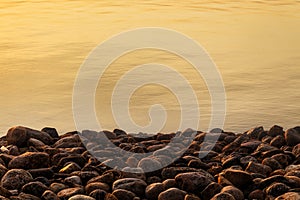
x=255 y=45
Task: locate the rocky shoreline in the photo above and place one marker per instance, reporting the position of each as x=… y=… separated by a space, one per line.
x=258 y=164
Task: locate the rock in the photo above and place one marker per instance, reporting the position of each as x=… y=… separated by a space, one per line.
x=23 y=196
x=258 y=168
x=56 y=187
x=268 y=181
x=169 y=183
x=69 y=192
x=73 y=181
x=134 y=185
x=51 y=131
x=152 y=191
x=97 y=185
x=278 y=141
x=71 y=167
x=129 y=172
x=277 y=189
x=296 y=150
x=192 y=181
x=19 y=135
x=14 y=150
x=3 y=198
x=292 y=137
x=149 y=164
x=289 y=196
x=35 y=143
x=271 y=162
x=235 y=192
x=69 y=141
x=110 y=197
x=81 y=197
x=256 y=195
x=253 y=133
x=3 y=170
x=15 y=179
x=276 y=131
x=35 y=188
x=238 y=178
x=223 y=196
x=172 y=194
x=191 y=197
x=30 y=160
x=119 y=132
x=98 y=194
x=123 y=194
x=171 y=172
x=211 y=190
x=49 y=195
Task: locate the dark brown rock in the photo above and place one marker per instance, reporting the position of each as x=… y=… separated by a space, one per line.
x=277 y=189
x=237 y=177
x=123 y=194
x=258 y=168
x=211 y=190
x=30 y=160
x=153 y=190
x=134 y=185
x=235 y=192
x=256 y=195
x=35 y=188
x=275 y=131
x=192 y=181
x=15 y=179
x=96 y=185
x=223 y=196
x=49 y=195
x=172 y=194
x=65 y=194
x=292 y=137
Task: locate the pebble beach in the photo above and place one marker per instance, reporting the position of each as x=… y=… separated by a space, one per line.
x=44 y=164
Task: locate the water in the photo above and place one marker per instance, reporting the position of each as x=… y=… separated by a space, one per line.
x=255 y=45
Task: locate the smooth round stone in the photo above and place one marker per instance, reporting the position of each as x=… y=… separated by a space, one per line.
x=134 y=185
x=192 y=181
x=98 y=194
x=289 y=196
x=35 y=188
x=56 y=187
x=292 y=137
x=123 y=194
x=271 y=162
x=96 y=185
x=191 y=197
x=81 y=197
x=30 y=160
x=152 y=191
x=69 y=192
x=172 y=194
x=235 y=192
x=73 y=181
x=169 y=183
x=49 y=195
x=256 y=195
x=211 y=190
x=238 y=178
x=71 y=167
x=15 y=179
x=223 y=196
x=149 y=164
x=277 y=189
